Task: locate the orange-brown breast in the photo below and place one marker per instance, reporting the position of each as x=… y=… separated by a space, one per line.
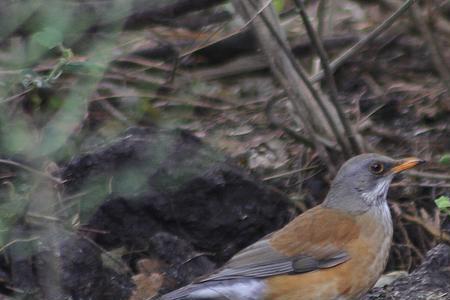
x=365 y=238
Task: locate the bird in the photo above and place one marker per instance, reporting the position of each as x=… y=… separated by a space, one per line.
x=336 y=250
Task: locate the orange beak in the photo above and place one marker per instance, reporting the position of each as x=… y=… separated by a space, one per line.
x=406 y=164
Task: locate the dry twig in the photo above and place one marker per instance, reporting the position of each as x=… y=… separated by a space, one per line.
x=250 y=20
x=429 y=175
x=9 y=244
x=278 y=124
x=31 y=170
x=289 y=74
x=304 y=77
x=430 y=229
x=318 y=46
x=365 y=40
x=436 y=52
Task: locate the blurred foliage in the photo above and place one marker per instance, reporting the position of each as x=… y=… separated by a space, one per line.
x=278 y=5
x=53 y=63
x=445 y=159
x=49 y=37
x=11 y=209
x=443 y=203
x=64 y=90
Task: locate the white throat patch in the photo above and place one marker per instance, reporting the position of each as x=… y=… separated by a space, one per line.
x=377 y=195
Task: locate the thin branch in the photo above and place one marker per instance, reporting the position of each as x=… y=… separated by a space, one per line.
x=428 y=175
x=170 y=11
x=31 y=170
x=278 y=124
x=321 y=12
x=228 y=35
x=115 y=113
x=148 y=63
x=303 y=75
x=178 y=101
x=13 y=97
x=436 y=233
x=117 y=261
x=288 y=173
x=318 y=46
x=365 y=40
x=9 y=244
x=421 y=184
x=436 y=52
x=43 y=217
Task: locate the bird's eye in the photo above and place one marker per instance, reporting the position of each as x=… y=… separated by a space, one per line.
x=376 y=168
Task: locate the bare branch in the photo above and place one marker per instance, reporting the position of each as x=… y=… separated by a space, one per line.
x=318 y=46
x=278 y=124
x=436 y=233
x=436 y=53
x=241 y=29
x=365 y=40
x=429 y=175
x=30 y=169
x=304 y=76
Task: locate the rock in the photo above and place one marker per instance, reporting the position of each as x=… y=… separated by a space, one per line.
x=430 y=281
x=167 y=196
x=387 y=279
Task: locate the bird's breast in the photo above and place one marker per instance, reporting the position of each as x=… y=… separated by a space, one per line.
x=368 y=253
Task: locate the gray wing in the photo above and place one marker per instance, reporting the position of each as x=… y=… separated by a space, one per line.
x=260 y=260
x=254 y=262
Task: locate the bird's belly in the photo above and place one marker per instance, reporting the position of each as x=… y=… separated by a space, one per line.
x=339 y=283
x=309 y=286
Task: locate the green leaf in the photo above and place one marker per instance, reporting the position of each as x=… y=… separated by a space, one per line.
x=49 y=37
x=278 y=5
x=443 y=202
x=445 y=159
x=67 y=53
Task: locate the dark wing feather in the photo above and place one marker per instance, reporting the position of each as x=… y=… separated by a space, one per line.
x=261 y=260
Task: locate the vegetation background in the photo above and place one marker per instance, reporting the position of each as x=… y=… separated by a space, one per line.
x=288 y=89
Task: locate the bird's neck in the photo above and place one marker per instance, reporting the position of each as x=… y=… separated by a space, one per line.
x=345 y=199
x=355 y=201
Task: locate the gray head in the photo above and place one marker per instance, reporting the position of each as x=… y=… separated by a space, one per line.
x=363 y=181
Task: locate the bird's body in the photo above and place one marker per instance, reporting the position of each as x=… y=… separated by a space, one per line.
x=334 y=251
x=365 y=238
